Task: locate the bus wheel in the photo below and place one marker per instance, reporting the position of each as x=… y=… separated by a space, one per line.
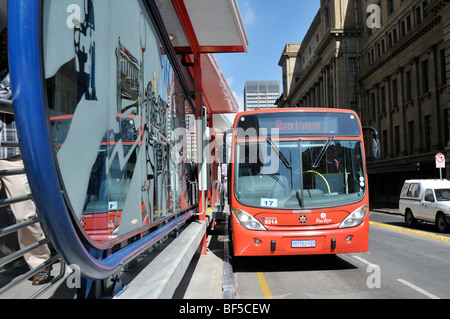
x=410 y=219
x=441 y=223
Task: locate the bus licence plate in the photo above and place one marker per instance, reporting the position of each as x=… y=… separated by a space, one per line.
x=303 y=244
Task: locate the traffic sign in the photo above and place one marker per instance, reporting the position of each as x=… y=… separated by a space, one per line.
x=440 y=160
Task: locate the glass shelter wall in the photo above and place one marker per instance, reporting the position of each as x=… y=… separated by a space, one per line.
x=113 y=102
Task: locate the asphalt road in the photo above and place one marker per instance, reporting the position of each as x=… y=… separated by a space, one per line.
x=401 y=264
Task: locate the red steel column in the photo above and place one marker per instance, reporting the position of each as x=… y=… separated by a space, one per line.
x=198 y=109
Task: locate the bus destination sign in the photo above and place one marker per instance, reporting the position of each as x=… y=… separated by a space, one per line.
x=298 y=124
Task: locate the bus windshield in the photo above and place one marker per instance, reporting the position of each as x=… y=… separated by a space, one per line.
x=299 y=174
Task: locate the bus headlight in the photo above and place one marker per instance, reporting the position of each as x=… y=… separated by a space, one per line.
x=246 y=220
x=355 y=218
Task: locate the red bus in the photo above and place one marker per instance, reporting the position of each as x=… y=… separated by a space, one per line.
x=297 y=183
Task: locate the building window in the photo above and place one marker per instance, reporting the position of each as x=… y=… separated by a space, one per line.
x=352 y=64
x=327 y=16
x=372 y=106
x=411 y=137
x=383 y=99
x=418 y=15
x=443 y=68
x=397 y=140
x=402 y=29
x=408 y=24
x=425 y=77
x=424 y=12
x=394 y=93
x=428 y=132
x=385 y=144
x=408 y=83
x=447 y=127
x=390 y=6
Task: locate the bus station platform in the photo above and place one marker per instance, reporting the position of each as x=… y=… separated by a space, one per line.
x=173 y=269
x=180 y=271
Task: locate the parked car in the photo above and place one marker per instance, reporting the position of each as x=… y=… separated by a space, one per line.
x=426 y=201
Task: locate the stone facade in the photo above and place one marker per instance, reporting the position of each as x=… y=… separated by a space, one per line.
x=390 y=63
x=322 y=70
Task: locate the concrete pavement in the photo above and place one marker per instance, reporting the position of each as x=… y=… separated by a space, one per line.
x=199 y=276
x=387 y=208
x=173 y=269
x=204 y=277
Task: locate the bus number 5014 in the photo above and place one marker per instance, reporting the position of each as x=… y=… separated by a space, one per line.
x=270 y=221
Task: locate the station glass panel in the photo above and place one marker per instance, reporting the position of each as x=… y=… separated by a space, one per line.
x=113 y=103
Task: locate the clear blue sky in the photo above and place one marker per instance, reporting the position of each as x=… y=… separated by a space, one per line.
x=270 y=25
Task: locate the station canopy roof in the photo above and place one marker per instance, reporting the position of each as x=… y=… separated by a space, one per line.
x=207 y=27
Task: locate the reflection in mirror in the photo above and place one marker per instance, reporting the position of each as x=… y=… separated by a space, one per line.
x=376 y=148
x=114 y=102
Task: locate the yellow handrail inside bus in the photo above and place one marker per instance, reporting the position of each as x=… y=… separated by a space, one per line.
x=326 y=182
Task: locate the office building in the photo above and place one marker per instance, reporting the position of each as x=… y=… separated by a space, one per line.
x=261 y=94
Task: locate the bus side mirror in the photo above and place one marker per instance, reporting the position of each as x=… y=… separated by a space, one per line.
x=376 y=148
x=376 y=145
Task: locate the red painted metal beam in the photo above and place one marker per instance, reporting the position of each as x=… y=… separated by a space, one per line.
x=186 y=23
x=212 y=49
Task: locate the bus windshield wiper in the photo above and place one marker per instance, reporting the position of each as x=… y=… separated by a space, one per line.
x=279 y=154
x=322 y=152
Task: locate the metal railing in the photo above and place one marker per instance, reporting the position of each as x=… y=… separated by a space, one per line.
x=7 y=107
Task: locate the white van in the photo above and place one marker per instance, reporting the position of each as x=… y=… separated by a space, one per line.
x=426 y=200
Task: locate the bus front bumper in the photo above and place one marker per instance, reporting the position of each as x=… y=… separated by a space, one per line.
x=284 y=243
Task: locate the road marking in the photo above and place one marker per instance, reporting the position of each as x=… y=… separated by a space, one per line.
x=418 y=289
x=426 y=293
x=368 y=263
x=264 y=286
x=414 y=232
